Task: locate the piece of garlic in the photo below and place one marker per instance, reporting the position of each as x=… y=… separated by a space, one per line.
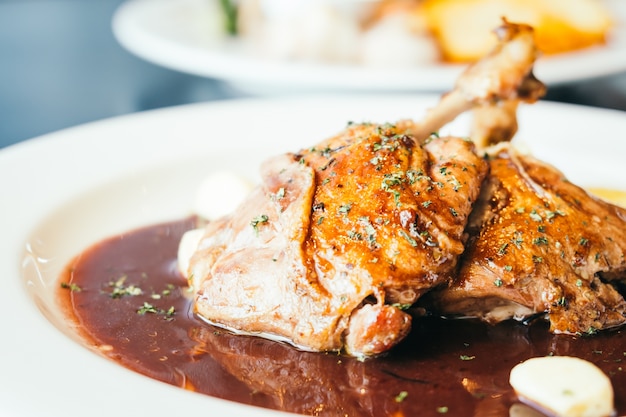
x=186 y=248
x=219 y=194
x=565 y=386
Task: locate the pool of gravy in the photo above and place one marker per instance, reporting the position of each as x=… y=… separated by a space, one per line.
x=129 y=300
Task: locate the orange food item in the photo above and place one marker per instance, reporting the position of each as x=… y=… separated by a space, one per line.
x=560 y=25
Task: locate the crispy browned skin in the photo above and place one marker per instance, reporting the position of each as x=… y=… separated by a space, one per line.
x=540 y=244
x=339 y=238
x=383 y=201
x=365 y=220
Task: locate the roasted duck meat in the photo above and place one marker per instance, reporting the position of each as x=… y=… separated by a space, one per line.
x=338 y=239
x=539 y=244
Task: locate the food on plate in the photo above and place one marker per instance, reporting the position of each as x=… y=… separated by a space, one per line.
x=560 y=25
x=338 y=237
x=135 y=308
x=342 y=239
x=396 y=33
x=564 y=386
x=538 y=243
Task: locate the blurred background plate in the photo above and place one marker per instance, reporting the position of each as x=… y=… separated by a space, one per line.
x=181 y=35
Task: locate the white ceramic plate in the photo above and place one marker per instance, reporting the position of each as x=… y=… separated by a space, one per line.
x=177 y=34
x=67 y=190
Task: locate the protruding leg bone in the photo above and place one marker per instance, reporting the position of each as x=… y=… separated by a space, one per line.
x=494 y=86
x=494 y=123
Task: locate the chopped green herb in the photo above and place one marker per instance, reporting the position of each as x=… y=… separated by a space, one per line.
x=467 y=358
x=409 y=239
x=147 y=308
x=120 y=290
x=413 y=176
x=263 y=218
x=401 y=396
x=326 y=152
x=280 y=194
x=442 y=410
x=345 y=208
x=456 y=185
x=552 y=214
x=369 y=230
x=535 y=216
x=354 y=235
x=151 y=309
x=71 y=286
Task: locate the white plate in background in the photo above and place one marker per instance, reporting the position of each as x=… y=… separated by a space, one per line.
x=69 y=189
x=180 y=35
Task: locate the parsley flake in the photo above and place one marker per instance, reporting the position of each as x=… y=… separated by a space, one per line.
x=263 y=218
x=71 y=286
x=401 y=396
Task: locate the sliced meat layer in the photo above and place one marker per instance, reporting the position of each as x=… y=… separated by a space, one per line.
x=540 y=244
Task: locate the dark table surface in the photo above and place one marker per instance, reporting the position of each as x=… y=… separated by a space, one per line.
x=61 y=66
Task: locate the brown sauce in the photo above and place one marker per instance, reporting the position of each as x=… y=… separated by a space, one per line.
x=453 y=367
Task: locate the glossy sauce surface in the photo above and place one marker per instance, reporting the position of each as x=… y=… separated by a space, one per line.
x=130 y=302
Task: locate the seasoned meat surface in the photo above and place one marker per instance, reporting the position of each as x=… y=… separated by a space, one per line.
x=540 y=244
x=338 y=238
x=390 y=206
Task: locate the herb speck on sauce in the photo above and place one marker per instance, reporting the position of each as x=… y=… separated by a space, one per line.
x=401 y=396
x=71 y=286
